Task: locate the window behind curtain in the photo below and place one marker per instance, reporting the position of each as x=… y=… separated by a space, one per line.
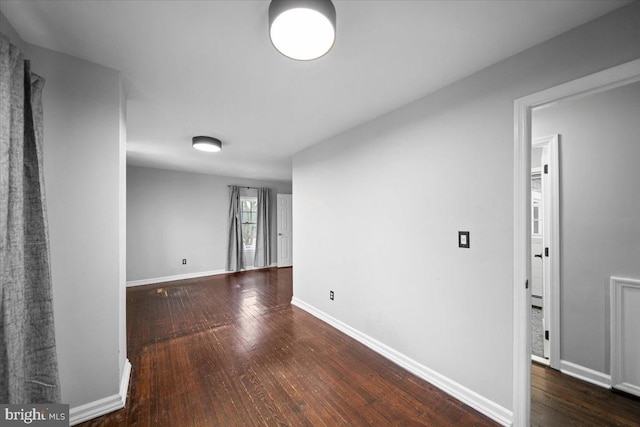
x=249 y=216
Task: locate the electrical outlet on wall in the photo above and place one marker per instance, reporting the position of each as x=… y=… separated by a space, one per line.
x=331 y=295
x=184 y=261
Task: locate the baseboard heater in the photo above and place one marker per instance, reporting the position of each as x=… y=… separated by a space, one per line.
x=625 y=335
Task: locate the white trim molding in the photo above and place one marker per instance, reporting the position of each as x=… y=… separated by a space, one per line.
x=551 y=234
x=608 y=79
x=155 y=280
x=91 y=410
x=522 y=266
x=489 y=408
x=619 y=287
x=585 y=374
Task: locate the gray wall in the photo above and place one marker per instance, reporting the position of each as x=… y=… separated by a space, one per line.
x=174 y=215
x=600 y=212
x=7 y=29
x=377 y=210
x=84 y=148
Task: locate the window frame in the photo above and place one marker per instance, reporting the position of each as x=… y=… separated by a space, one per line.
x=253 y=199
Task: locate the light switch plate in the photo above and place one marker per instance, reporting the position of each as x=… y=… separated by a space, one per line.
x=463 y=239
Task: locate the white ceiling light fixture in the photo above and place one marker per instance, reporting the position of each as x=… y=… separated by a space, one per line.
x=302 y=29
x=206 y=143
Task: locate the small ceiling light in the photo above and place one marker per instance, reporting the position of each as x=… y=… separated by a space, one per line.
x=302 y=29
x=206 y=143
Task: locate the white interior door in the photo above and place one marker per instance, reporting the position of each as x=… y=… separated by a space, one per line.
x=546 y=243
x=537 y=273
x=285 y=231
x=550 y=203
x=537 y=249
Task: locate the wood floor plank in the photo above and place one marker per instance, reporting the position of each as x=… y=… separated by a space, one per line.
x=558 y=400
x=230 y=350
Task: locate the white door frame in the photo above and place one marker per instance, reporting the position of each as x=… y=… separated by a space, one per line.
x=551 y=240
x=536 y=172
x=607 y=79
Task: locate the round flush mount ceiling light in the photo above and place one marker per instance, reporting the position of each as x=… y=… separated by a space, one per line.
x=302 y=29
x=206 y=143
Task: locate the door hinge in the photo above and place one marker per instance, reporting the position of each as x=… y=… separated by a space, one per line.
x=546 y=168
x=546 y=335
x=526 y=284
x=546 y=252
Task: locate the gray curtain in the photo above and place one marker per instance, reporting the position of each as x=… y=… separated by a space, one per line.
x=28 y=362
x=235 y=253
x=263 y=229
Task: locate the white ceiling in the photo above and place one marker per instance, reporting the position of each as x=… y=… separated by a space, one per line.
x=208 y=67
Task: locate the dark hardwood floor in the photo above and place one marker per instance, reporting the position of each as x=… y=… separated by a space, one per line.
x=561 y=400
x=230 y=350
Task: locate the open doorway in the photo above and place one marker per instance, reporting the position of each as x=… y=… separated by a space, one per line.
x=545 y=250
x=538 y=346
x=598 y=82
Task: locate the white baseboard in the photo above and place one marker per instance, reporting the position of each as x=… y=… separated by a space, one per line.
x=628 y=388
x=273 y=264
x=174 y=278
x=88 y=411
x=155 y=280
x=469 y=397
x=585 y=374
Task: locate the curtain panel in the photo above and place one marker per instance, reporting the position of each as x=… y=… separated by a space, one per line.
x=28 y=361
x=263 y=229
x=235 y=253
